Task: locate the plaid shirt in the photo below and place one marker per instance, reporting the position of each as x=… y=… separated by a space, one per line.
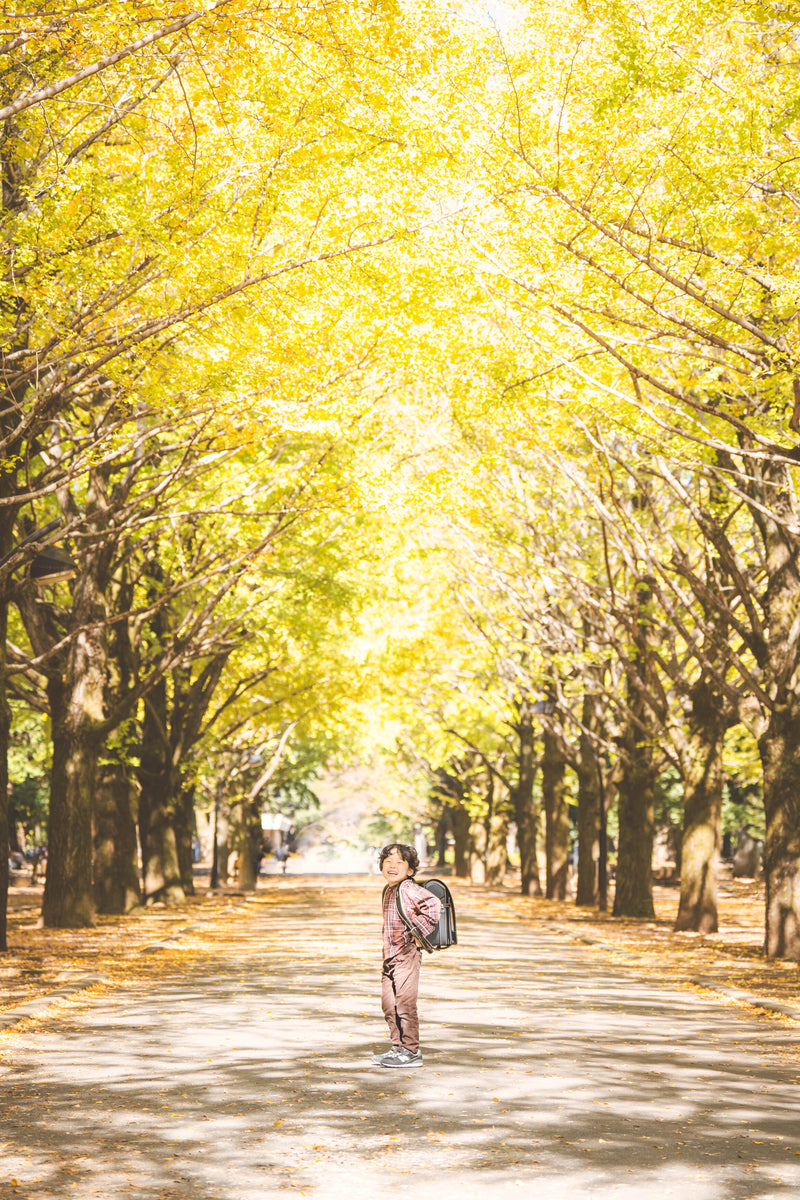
x=421 y=907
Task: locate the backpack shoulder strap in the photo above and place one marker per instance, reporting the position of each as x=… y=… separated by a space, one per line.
x=417 y=934
x=398 y=899
x=401 y=912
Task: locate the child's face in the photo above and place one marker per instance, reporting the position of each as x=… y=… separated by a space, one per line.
x=395 y=868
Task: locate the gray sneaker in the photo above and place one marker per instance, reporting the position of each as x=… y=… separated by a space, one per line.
x=380 y=1059
x=401 y=1058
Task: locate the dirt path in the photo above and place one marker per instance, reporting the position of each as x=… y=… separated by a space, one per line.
x=238 y=1066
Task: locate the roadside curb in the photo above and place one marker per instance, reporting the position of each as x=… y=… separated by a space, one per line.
x=179 y=934
x=774 y=1006
x=32 y=1008
x=707 y=982
x=36 y=1006
x=587 y=940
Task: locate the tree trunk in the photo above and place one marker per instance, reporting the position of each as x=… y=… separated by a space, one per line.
x=220 y=851
x=479 y=836
x=701 y=762
x=171 y=727
x=223 y=845
x=116 y=850
x=780 y=757
x=497 y=848
x=248 y=841
x=68 y=891
x=588 y=806
x=17 y=431
x=158 y=787
x=461 y=842
x=160 y=862
x=779 y=744
x=633 y=896
x=477 y=851
x=76 y=709
x=117 y=885
x=185 y=827
x=76 y=678
x=525 y=814
x=5 y=733
x=556 y=813
x=443 y=827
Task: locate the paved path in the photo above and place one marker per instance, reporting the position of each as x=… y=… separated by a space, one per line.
x=242 y=1072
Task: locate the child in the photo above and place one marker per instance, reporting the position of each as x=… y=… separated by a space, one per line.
x=402 y=955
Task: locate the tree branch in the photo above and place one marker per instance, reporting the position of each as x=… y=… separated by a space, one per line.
x=102 y=64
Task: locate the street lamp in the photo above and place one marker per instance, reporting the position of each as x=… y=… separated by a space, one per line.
x=51 y=563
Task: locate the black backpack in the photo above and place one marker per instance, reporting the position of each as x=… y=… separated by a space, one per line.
x=444 y=933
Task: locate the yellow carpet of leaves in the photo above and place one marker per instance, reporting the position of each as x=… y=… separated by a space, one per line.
x=731 y=960
x=41 y=962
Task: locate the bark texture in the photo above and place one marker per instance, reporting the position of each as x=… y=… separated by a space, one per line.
x=117 y=886
x=701 y=762
x=116 y=847
x=5 y=733
x=633 y=895
x=76 y=707
x=185 y=829
x=554 y=799
x=779 y=744
x=477 y=850
x=780 y=756
x=497 y=847
x=246 y=815
x=18 y=423
x=525 y=814
x=587 y=891
x=174 y=712
x=159 y=785
x=461 y=842
x=220 y=849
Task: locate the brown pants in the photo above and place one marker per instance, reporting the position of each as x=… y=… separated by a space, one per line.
x=400 y=984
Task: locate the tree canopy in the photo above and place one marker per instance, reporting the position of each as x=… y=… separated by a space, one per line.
x=413 y=379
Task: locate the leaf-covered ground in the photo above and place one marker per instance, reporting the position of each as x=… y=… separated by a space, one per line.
x=731 y=960
x=41 y=961
x=237 y=1062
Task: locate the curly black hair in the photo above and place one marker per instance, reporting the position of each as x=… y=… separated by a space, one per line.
x=406 y=852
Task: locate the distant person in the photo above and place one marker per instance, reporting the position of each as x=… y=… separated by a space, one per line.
x=282 y=855
x=402 y=955
x=257 y=860
x=38 y=861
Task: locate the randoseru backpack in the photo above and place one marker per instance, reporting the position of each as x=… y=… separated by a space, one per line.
x=444 y=933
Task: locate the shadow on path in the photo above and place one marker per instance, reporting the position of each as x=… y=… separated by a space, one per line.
x=246 y=1073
